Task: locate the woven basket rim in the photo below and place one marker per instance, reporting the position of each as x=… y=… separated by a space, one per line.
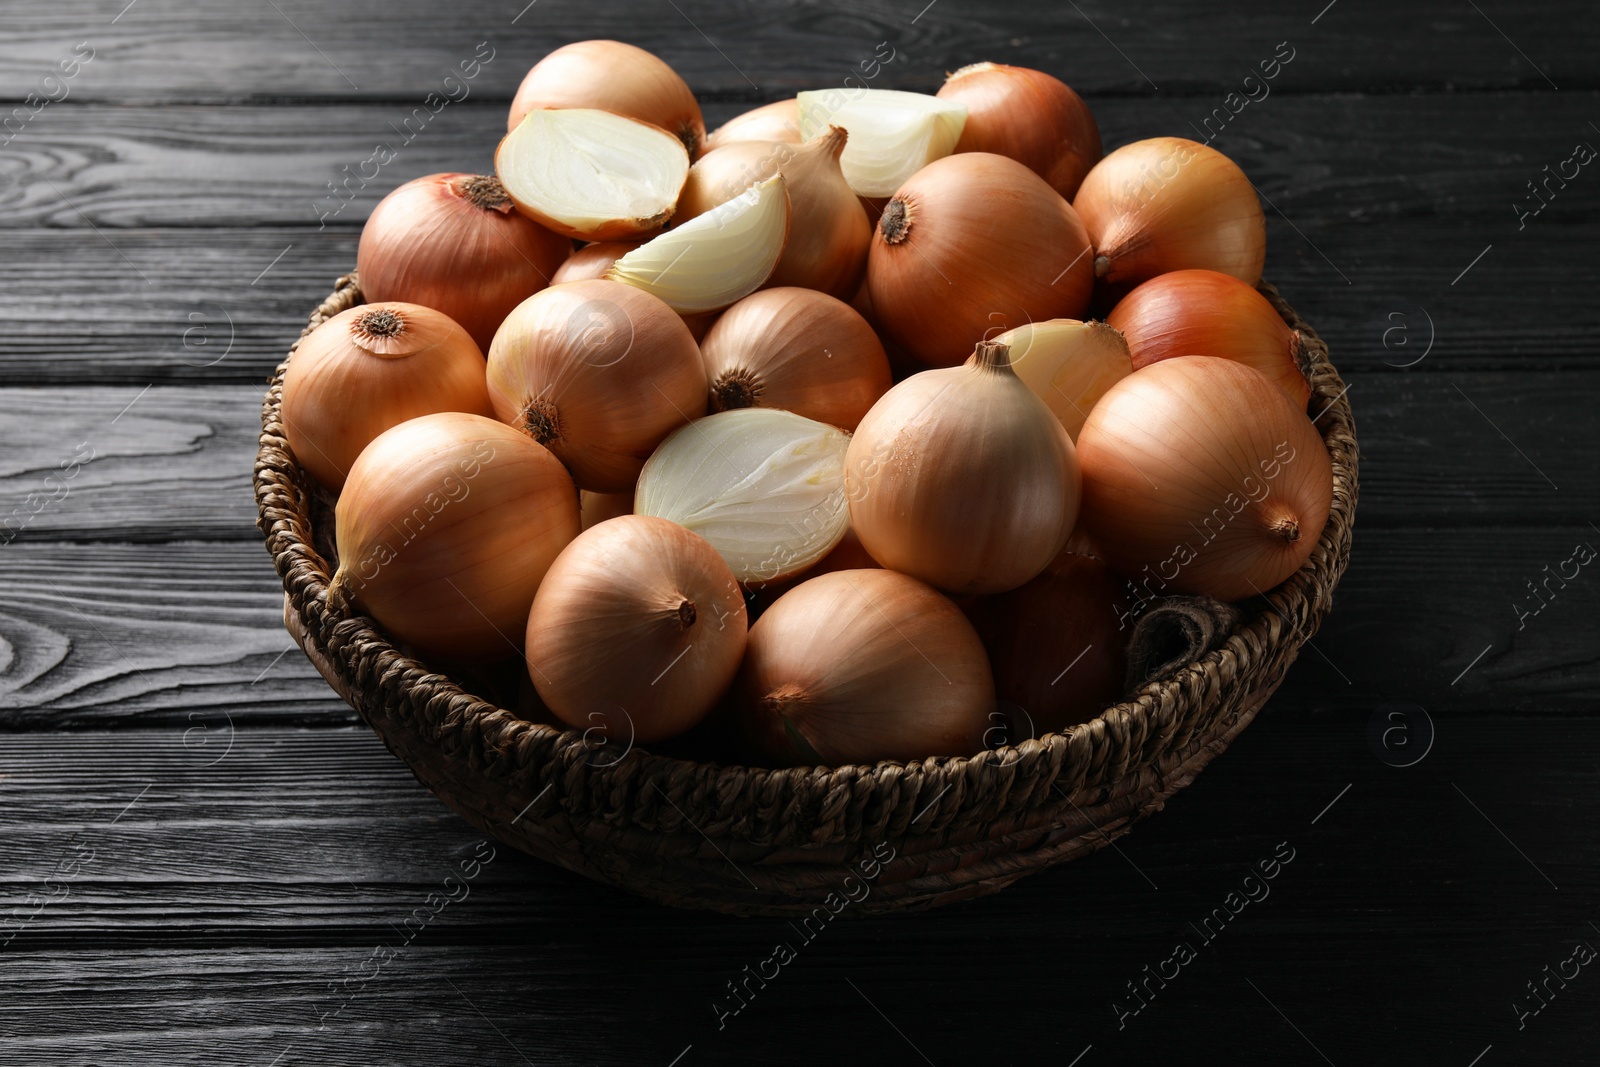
x=1125 y=737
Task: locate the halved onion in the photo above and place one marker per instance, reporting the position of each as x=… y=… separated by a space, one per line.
x=1069 y=364
x=716 y=258
x=893 y=134
x=765 y=487
x=591 y=174
x=612 y=76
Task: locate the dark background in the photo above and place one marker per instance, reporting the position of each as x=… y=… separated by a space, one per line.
x=220 y=844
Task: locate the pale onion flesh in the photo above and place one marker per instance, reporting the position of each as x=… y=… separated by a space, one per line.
x=765 y=487
x=716 y=258
x=591 y=174
x=1069 y=365
x=893 y=134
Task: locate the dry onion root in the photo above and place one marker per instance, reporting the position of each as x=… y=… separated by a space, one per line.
x=893 y=134
x=1028 y=116
x=1069 y=365
x=370 y=368
x=638 y=629
x=592 y=175
x=612 y=76
x=446 y=527
x=599 y=373
x=858 y=666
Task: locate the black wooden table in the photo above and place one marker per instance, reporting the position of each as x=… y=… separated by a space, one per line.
x=207 y=860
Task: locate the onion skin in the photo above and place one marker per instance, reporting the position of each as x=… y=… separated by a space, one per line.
x=430 y=233
x=1069 y=365
x=1203 y=313
x=861 y=666
x=599 y=373
x=778 y=122
x=591 y=262
x=595 y=508
x=973 y=245
x=799 y=350
x=963 y=477
x=418 y=363
x=1057 y=646
x=637 y=631
x=1028 y=116
x=446 y=527
x=612 y=76
x=1168 y=204
x=1200 y=477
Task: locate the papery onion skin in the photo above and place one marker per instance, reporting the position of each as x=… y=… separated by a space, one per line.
x=446 y=527
x=1166 y=204
x=973 y=245
x=1069 y=364
x=637 y=631
x=592 y=261
x=798 y=350
x=599 y=373
x=369 y=368
x=1057 y=646
x=429 y=235
x=595 y=508
x=778 y=122
x=864 y=665
x=1204 y=313
x=1028 y=116
x=1201 y=477
x=963 y=477
x=612 y=76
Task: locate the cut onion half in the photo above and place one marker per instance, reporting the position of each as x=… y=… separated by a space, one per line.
x=1069 y=364
x=716 y=258
x=591 y=174
x=893 y=134
x=765 y=487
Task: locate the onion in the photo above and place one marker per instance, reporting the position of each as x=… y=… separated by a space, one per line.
x=595 y=508
x=772 y=122
x=638 y=629
x=765 y=487
x=971 y=246
x=1203 y=313
x=599 y=373
x=446 y=526
x=860 y=666
x=1200 y=477
x=1056 y=646
x=893 y=134
x=714 y=259
x=424 y=238
x=828 y=229
x=591 y=174
x=398 y=361
x=612 y=76
x=1170 y=204
x=1068 y=364
x=592 y=261
x=963 y=478
x=798 y=350
x=1028 y=116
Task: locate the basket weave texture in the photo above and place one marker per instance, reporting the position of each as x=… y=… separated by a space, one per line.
x=785 y=842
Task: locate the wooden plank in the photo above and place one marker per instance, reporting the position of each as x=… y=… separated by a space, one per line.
x=124 y=634
x=174 y=463
x=407 y=48
x=301 y=853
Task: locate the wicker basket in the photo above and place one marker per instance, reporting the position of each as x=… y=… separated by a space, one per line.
x=784 y=842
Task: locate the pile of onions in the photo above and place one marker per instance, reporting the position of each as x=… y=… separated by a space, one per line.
x=638 y=629
x=828 y=228
x=599 y=373
x=1068 y=364
x=1200 y=477
x=864 y=665
x=446 y=527
x=971 y=246
x=963 y=477
x=1167 y=204
x=1203 y=313
x=778 y=122
x=395 y=361
x=1028 y=116
x=765 y=487
x=612 y=76
x=426 y=236
x=799 y=350
x=1056 y=645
